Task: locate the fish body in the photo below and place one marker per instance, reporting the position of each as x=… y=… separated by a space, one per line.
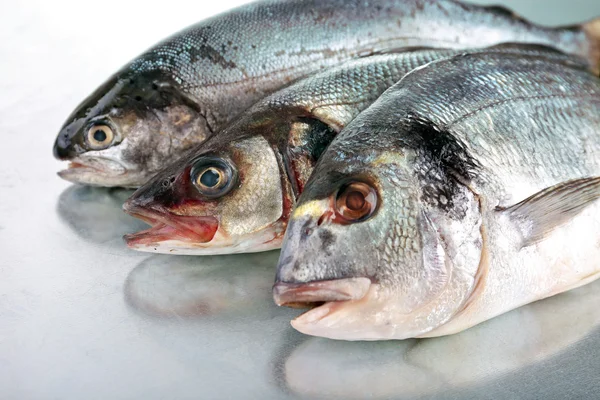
x=194 y=83
x=273 y=147
x=466 y=190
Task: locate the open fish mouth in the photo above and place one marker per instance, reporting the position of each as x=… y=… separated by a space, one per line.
x=166 y=239
x=166 y=226
x=196 y=235
x=318 y=293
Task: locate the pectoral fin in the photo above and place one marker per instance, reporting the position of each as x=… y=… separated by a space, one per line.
x=541 y=213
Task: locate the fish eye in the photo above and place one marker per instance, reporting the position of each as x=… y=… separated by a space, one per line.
x=213 y=177
x=100 y=137
x=355 y=202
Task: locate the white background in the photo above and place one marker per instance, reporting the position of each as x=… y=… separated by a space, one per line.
x=83 y=317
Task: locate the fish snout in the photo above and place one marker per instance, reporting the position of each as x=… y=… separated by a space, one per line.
x=301 y=295
x=68 y=142
x=158 y=193
x=309 y=252
x=299 y=241
x=143 y=204
x=139 y=208
x=63 y=149
x=138 y=201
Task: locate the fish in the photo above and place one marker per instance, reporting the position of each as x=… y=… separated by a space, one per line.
x=466 y=190
x=263 y=160
x=181 y=91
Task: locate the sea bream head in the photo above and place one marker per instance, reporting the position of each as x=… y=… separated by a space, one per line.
x=386 y=240
x=230 y=196
x=128 y=129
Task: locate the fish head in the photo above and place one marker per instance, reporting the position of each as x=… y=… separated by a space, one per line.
x=375 y=246
x=127 y=129
x=229 y=197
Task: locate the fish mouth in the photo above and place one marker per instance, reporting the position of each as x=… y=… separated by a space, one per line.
x=342 y=309
x=172 y=241
x=320 y=293
x=166 y=226
x=196 y=235
x=92 y=171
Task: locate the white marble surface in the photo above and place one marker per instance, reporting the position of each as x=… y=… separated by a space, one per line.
x=81 y=316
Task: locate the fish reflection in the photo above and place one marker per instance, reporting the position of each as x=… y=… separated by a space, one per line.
x=96 y=214
x=187 y=286
x=409 y=368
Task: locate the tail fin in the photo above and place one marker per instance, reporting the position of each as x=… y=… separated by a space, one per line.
x=592 y=30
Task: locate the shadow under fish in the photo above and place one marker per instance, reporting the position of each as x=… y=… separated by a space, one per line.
x=189 y=287
x=503 y=348
x=96 y=215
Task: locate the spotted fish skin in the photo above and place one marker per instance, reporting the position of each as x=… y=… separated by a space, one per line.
x=486 y=169
x=193 y=84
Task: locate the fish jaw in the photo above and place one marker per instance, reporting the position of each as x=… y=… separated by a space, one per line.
x=193 y=235
x=355 y=310
x=100 y=171
x=267 y=239
x=166 y=226
x=303 y=294
x=363 y=318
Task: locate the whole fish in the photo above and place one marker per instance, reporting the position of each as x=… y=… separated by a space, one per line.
x=466 y=190
x=259 y=165
x=184 y=89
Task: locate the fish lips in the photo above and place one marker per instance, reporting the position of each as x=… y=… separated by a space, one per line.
x=343 y=309
x=309 y=294
x=169 y=226
x=90 y=170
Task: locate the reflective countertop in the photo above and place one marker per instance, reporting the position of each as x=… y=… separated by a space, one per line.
x=82 y=316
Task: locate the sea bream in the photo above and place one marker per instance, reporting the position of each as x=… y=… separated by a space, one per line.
x=235 y=192
x=193 y=84
x=466 y=190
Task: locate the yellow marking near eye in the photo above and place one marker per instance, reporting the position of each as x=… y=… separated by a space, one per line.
x=389 y=158
x=315 y=209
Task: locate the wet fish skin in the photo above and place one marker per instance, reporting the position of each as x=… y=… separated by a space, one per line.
x=275 y=144
x=193 y=84
x=295 y=125
x=452 y=151
x=151 y=120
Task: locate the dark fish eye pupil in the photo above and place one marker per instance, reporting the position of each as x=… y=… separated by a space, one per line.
x=210 y=178
x=100 y=135
x=355 y=201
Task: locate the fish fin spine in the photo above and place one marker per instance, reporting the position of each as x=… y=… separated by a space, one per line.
x=538 y=215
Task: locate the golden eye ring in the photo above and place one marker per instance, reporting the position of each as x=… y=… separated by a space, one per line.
x=100 y=137
x=213 y=177
x=355 y=202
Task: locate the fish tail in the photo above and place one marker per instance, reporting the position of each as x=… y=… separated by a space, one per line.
x=592 y=30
